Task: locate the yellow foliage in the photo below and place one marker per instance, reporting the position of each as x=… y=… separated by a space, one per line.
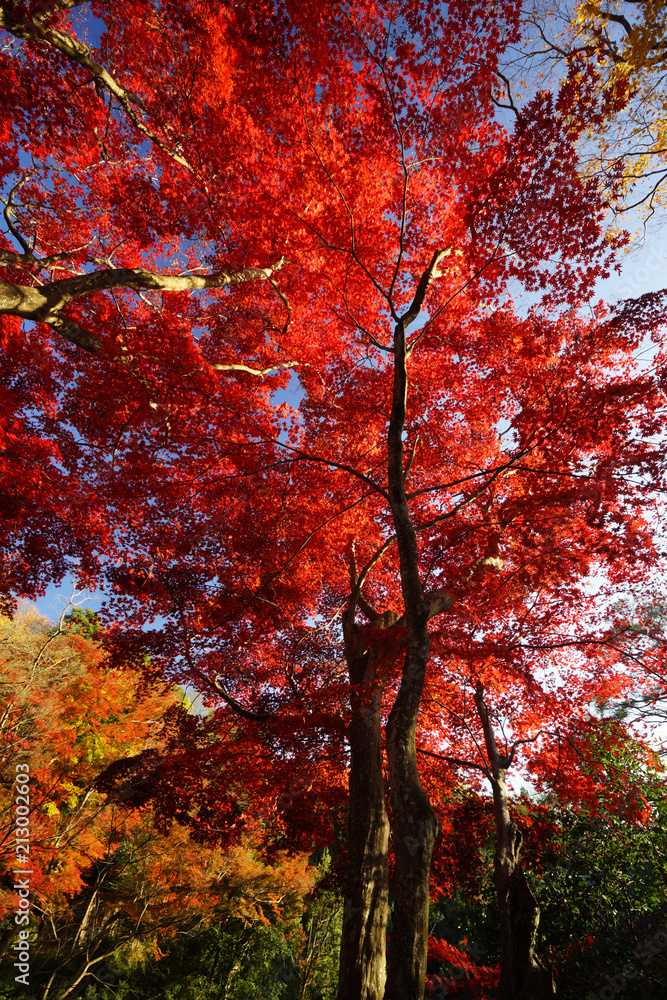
x=626 y=43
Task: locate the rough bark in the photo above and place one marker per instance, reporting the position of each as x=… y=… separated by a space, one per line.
x=522 y=975
x=362 y=969
x=44 y=303
x=414 y=829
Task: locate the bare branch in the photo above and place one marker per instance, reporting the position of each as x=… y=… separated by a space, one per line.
x=334 y=465
x=411 y=459
x=124 y=277
x=45 y=304
x=9 y=213
x=255 y=371
x=527 y=739
x=455 y=761
x=245 y=713
x=427 y=277
x=498 y=761
x=511 y=106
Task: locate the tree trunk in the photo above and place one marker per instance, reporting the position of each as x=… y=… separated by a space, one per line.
x=414 y=825
x=362 y=970
x=414 y=829
x=522 y=975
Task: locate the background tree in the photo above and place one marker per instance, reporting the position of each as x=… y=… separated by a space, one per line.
x=606 y=871
x=528 y=712
x=593 y=854
x=619 y=49
x=106 y=887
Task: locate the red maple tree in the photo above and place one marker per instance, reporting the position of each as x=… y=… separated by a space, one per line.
x=352 y=418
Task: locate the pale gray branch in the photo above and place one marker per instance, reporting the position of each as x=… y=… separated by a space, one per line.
x=255 y=371
x=44 y=304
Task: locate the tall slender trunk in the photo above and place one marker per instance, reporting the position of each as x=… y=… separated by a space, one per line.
x=522 y=975
x=414 y=825
x=362 y=969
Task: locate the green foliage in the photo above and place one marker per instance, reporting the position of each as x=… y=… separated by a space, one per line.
x=318 y=957
x=84 y=622
x=230 y=959
x=598 y=869
x=234 y=959
x=602 y=895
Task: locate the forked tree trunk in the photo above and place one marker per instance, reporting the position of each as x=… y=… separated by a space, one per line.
x=414 y=825
x=522 y=975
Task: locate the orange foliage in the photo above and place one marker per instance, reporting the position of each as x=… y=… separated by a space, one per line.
x=101 y=874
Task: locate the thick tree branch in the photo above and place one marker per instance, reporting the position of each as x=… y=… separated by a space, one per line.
x=245 y=713
x=29 y=260
x=255 y=371
x=617 y=19
x=45 y=303
x=497 y=761
x=456 y=761
x=125 y=277
x=511 y=106
x=427 y=277
x=9 y=213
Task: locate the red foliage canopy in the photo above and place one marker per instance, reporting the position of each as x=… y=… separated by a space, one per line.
x=226 y=213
